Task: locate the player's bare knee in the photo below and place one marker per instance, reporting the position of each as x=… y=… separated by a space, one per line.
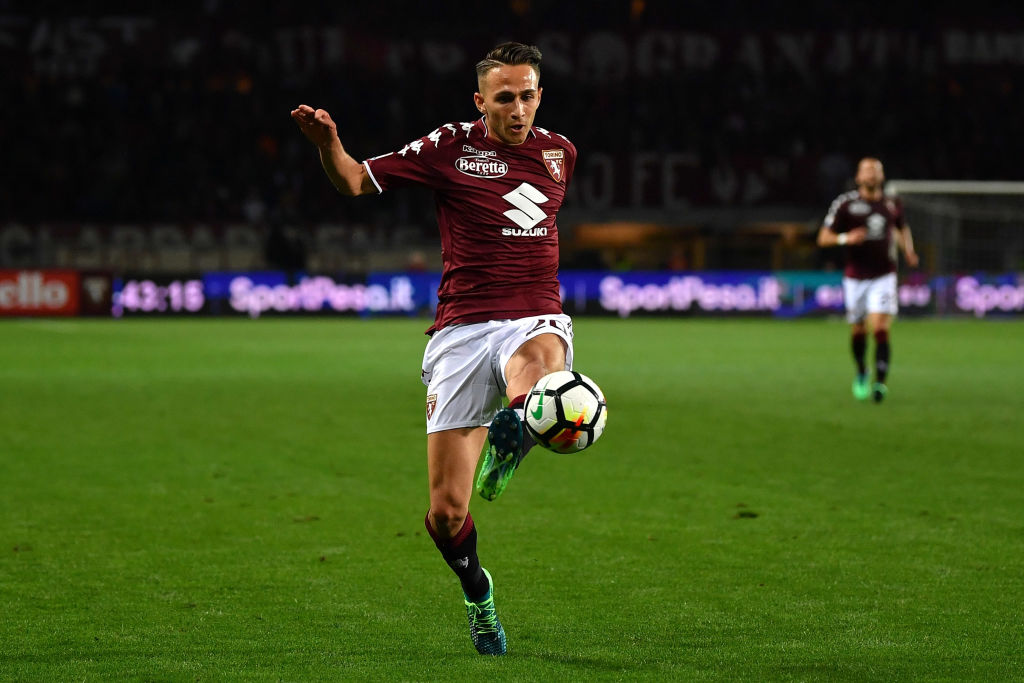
x=448 y=520
x=448 y=514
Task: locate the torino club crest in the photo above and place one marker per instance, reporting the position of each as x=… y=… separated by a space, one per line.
x=554 y=161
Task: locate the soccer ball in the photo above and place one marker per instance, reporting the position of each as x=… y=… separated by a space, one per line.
x=565 y=411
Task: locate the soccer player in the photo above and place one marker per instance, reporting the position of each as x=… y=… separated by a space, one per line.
x=870 y=226
x=498 y=183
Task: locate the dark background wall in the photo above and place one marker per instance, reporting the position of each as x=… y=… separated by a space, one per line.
x=172 y=112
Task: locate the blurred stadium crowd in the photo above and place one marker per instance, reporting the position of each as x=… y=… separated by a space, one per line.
x=154 y=112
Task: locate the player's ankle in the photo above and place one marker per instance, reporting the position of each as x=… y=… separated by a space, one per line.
x=528 y=440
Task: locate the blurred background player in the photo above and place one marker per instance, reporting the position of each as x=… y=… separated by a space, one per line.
x=871 y=226
x=498 y=184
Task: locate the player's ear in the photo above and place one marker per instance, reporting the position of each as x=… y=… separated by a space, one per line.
x=478 y=100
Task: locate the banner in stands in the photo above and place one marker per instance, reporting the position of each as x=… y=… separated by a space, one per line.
x=781 y=294
x=984 y=296
x=784 y=294
x=39 y=292
x=275 y=293
x=261 y=293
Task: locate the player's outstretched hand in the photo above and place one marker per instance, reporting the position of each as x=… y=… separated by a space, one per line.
x=912 y=259
x=316 y=124
x=856 y=235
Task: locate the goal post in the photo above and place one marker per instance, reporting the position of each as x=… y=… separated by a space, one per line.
x=965 y=225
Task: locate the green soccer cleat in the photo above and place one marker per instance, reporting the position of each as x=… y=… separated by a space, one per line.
x=880 y=391
x=861 y=388
x=502 y=455
x=484 y=627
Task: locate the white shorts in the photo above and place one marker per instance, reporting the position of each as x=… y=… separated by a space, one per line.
x=464 y=367
x=877 y=295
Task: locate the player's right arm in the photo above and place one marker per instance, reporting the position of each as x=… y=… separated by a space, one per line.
x=346 y=174
x=828 y=236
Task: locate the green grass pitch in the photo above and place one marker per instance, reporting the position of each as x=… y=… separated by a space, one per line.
x=243 y=500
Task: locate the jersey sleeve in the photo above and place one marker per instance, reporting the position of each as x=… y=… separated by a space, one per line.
x=899 y=215
x=416 y=163
x=570 y=161
x=835 y=219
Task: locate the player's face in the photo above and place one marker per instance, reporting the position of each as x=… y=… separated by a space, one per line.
x=870 y=174
x=509 y=97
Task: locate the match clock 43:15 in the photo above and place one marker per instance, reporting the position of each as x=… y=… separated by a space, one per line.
x=156 y=296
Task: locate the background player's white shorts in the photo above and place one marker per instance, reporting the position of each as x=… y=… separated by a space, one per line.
x=464 y=367
x=877 y=295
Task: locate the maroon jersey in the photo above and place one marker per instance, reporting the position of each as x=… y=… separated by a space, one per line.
x=496 y=207
x=876 y=255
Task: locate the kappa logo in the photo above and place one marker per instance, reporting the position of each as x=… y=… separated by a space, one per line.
x=470 y=149
x=554 y=161
x=431 y=405
x=460 y=563
x=481 y=167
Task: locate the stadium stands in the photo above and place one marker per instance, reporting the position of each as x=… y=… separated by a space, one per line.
x=143 y=114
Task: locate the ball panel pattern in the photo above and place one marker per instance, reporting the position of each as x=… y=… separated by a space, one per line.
x=566 y=411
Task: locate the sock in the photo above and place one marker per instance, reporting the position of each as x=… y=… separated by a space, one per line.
x=518 y=404
x=460 y=554
x=859 y=343
x=882 y=354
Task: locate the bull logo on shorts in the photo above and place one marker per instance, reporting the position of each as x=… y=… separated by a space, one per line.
x=431 y=405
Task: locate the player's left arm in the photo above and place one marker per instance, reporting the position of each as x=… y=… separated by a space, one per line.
x=906 y=243
x=904 y=239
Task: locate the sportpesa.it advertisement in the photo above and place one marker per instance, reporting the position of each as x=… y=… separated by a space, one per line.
x=782 y=294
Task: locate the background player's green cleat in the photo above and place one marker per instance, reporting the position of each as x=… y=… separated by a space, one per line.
x=880 y=391
x=502 y=454
x=861 y=388
x=484 y=627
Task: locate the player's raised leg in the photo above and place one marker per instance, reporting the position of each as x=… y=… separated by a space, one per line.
x=508 y=440
x=451 y=460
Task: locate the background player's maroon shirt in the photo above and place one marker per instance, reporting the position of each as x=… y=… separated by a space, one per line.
x=496 y=207
x=876 y=256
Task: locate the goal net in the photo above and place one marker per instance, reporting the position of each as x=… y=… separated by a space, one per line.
x=965 y=225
